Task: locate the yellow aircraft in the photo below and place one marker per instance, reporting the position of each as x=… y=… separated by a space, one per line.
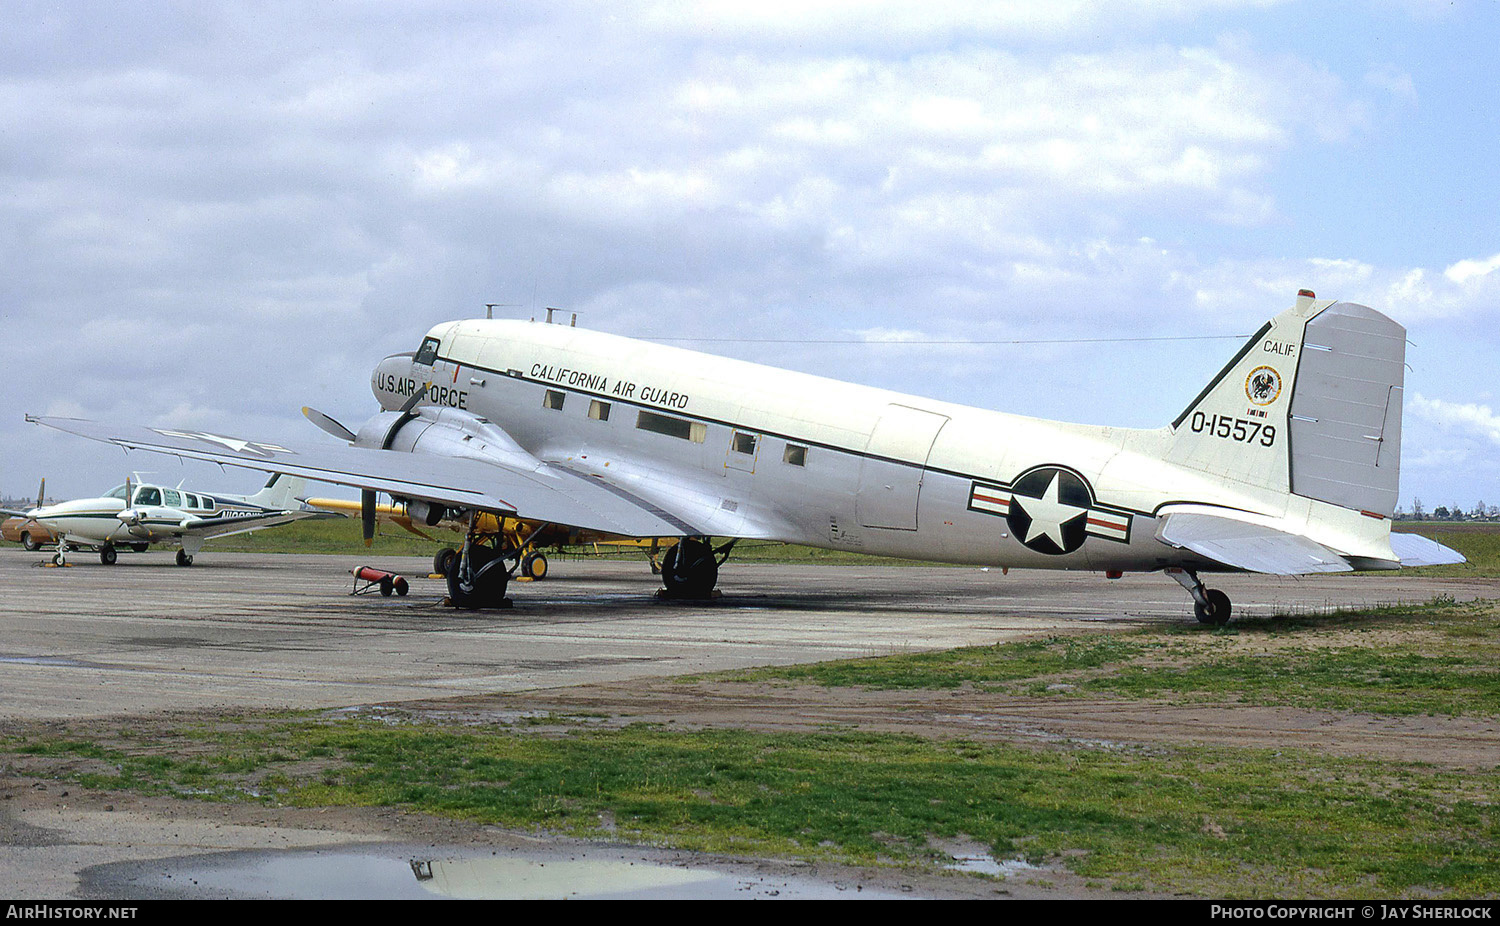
x=529 y=537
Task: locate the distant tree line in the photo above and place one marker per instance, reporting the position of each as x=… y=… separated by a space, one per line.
x=1478 y=512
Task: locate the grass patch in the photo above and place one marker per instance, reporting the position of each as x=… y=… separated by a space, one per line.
x=1210 y=822
x=1440 y=658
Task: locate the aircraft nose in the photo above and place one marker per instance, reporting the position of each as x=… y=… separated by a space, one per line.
x=393 y=382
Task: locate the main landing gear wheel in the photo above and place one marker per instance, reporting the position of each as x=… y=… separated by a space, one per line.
x=690 y=569
x=1215 y=611
x=442 y=563
x=184 y=558
x=107 y=555
x=477 y=577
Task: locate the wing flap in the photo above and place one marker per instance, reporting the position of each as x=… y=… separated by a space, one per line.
x=1253 y=547
x=539 y=493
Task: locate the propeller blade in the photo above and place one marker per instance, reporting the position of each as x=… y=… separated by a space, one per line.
x=406 y=415
x=367 y=515
x=328 y=424
x=41 y=491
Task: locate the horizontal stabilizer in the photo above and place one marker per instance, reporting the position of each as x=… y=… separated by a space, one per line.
x=1416 y=550
x=1253 y=547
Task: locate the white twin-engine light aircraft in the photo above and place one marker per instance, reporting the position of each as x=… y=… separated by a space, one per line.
x=1286 y=463
x=135 y=515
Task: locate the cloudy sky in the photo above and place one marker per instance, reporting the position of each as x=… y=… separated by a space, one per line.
x=215 y=213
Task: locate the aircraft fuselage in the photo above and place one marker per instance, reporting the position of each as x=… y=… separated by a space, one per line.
x=768 y=453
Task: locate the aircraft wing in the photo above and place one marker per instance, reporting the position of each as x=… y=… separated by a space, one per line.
x=223 y=527
x=1245 y=545
x=540 y=492
x=1416 y=550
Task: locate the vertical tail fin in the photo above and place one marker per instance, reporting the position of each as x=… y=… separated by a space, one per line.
x=1310 y=405
x=281 y=492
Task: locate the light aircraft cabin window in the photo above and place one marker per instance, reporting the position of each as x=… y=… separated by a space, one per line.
x=192 y=500
x=673 y=427
x=208 y=503
x=148 y=495
x=553 y=399
x=116 y=492
x=795 y=454
x=173 y=497
x=744 y=443
x=599 y=411
x=428 y=352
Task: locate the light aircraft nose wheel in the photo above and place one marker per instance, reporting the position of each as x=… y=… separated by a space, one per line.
x=59 y=559
x=183 y=559
x=107 y=555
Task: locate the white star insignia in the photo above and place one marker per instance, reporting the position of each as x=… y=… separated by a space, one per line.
x=1048 y=515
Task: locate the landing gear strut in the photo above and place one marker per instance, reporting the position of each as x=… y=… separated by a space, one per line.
x=690 y=569
x=1210 y=605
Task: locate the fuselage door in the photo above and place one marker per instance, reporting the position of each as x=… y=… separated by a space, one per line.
x=890 y=475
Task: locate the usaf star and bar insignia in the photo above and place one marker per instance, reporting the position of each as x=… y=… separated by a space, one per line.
x=1051 y=510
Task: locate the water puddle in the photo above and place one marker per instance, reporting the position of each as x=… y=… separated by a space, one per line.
x=390 y=874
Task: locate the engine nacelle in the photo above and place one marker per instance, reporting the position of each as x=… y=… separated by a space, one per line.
x=447 y=432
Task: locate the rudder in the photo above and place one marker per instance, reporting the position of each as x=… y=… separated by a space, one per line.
x=1310 y=405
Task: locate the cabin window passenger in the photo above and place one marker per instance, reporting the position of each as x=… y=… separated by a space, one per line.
x=672 y=427
x=795 y=454
x=428 y=353
x=208 y=503
x=148 y=495
x=553 y=399
x=174 y=500
x=744 y=443
x=599 y=411
x=192 y=500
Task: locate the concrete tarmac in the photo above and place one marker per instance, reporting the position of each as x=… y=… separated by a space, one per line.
x=244 y=631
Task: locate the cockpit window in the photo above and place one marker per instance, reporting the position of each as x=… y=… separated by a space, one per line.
x=148 y=495
x=116 y=492
x=428 y=353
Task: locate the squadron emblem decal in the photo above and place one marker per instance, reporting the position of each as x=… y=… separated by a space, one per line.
x=1262 y=386
x=1051 y=510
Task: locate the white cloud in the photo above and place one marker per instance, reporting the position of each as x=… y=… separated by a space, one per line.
x=1469 y=271
x=1466 y=417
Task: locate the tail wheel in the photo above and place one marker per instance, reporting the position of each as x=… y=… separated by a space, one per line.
x=1216 y=612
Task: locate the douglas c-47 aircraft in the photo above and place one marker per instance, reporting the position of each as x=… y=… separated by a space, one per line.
x=134 y=516
x=1286 y=463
